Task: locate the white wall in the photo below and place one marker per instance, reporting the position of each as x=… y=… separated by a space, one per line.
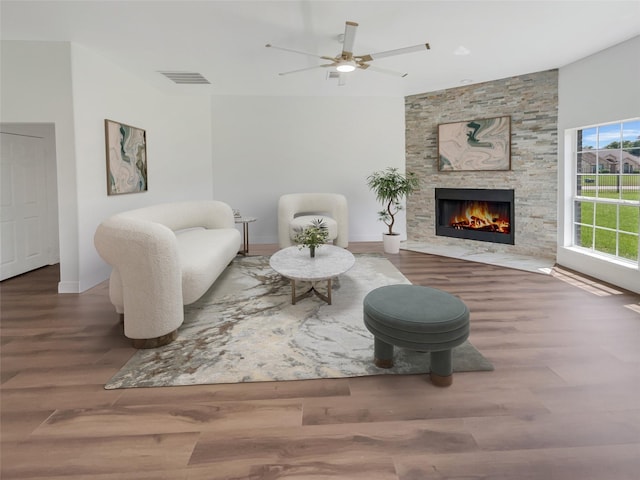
x=264 y=147
x=76 y=89
x=178 y=133
x=598 y=89
x=36 y=88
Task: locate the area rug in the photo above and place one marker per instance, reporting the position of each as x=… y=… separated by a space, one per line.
x=244 y=329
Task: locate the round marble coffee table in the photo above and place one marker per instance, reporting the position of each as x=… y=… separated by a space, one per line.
x=297 y=265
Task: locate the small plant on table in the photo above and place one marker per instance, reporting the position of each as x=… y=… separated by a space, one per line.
x=312 y=236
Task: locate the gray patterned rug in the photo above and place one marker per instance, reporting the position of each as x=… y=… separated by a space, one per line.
x=244 y=329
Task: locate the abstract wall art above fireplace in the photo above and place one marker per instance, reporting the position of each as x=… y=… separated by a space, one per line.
x=481 y=144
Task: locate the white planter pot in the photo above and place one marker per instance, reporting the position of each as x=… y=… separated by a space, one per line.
x=391 y=243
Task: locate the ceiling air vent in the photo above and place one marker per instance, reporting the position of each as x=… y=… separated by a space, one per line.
x=189 y=78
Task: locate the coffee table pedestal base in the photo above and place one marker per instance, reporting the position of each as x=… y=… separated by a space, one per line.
x=311 y=291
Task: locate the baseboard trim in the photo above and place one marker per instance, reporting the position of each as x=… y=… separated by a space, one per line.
x=68 y=287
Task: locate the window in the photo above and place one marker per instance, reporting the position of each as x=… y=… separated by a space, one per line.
x=606 y=198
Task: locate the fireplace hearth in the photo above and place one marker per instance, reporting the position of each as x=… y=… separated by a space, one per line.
x=486 y=215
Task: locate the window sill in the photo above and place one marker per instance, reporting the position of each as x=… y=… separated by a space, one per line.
x=631 y=265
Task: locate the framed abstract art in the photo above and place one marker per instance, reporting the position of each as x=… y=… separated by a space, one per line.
x=126 y=148
x=481 y=144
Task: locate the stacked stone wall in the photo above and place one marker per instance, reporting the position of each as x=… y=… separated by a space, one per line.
x=532 y=103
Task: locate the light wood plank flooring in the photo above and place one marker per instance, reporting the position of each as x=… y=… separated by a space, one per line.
x=562 y=403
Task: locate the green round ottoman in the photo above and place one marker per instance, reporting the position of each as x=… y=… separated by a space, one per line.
x=418 y=318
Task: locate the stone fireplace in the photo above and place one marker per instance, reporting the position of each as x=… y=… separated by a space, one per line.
x=486 y=215
x=531 y=101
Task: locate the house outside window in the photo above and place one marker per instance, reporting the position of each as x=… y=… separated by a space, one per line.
x=606 y=196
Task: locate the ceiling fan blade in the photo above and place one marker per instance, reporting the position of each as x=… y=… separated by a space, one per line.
x=349 y=39
x=390 y=53
x=365 y=66
x=308 y=68
x=268 y=45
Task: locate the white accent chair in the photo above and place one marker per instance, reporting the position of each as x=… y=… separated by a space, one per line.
x=297 y=210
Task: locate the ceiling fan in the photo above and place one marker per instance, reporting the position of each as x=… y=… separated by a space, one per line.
x=346 y=61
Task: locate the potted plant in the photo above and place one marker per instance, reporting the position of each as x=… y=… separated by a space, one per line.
x=390 y=186
x=312 y=236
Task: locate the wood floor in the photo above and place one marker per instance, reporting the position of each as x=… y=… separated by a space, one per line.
x=562 y=403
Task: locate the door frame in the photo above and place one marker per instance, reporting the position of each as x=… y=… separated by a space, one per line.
x=46 y=131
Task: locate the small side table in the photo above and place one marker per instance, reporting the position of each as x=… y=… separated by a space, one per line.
x=245 y=221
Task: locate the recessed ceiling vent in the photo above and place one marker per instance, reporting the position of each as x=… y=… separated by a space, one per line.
x=188 y=78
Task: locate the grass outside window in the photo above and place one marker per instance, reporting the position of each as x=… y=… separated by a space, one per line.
x=607 y=189
x=602 y=226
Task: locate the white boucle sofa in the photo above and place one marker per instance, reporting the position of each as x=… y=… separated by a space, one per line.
x=164 y=257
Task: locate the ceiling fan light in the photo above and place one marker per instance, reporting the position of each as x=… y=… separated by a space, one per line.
x=346 y=67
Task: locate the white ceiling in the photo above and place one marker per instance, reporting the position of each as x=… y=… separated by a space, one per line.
x=225 y=40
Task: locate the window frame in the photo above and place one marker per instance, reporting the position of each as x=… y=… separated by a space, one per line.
x=578 y=181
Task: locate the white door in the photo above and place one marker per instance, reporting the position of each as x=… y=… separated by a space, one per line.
x=23 y=208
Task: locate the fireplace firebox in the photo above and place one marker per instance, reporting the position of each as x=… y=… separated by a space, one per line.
x=476 y=214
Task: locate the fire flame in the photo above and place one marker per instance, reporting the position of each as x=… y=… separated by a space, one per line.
x=478 y=216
